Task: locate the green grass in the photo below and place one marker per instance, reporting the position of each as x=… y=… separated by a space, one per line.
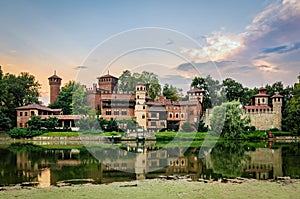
x=170 y=135
x=62 y=134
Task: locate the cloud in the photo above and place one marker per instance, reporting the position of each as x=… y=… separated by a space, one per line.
x=282 y=49
x=220 y=45
x=80 y=67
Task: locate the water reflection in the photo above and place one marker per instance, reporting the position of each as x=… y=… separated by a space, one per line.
x=45 y=166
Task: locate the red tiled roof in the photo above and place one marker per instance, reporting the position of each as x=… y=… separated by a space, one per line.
x=277 y=95
x=258 y=107
x=194 y=90
x=38 y=107
x=63 y=117
x=261 y=95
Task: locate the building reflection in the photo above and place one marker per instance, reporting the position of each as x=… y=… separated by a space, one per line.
x=49 y=166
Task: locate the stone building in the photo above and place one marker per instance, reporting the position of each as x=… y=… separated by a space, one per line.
x=262 y=116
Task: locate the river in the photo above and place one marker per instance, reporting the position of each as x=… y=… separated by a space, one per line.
x=46 y=163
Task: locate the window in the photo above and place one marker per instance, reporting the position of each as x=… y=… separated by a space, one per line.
x=170 y=115
x=263 y=100
x=26 y=113
x=108 y=112
x=138 y=97
x=153 y=123
x=153 y=115
x=162 y=123
x=191 y=112
x=116 y=112
x=32 y=113
x=124 y=112
x=21 y=125
x=21 y=114
x=182 y=115
x=143 y=116
x=177 y=115
x=144 y=107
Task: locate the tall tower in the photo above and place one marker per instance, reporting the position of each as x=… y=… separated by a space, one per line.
x=107 y=83
x=277 y=106
x=140 y=106
x=54 y=82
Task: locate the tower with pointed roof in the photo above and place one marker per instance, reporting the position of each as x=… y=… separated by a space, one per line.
x=107 y=83
x=55 y=83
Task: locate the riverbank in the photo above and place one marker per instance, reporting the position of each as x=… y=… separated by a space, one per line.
x=159 y=188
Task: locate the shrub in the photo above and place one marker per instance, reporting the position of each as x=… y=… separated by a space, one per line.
x=23 y=133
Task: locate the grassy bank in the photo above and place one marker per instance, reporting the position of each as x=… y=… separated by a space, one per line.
x=162 y=189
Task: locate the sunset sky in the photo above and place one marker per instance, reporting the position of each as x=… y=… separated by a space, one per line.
x=255 y=41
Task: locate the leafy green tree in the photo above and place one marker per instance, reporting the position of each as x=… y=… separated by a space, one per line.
x=200 y=126
x=233 y=90
x=228 y=120
x=35 y=123
x=50 y=123
x=112 y=125
x=71 y=99
x=292 y=119
x=171 y=92
x=15 y=91
x=127 y=82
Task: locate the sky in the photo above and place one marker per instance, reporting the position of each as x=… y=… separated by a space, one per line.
x=255 y=42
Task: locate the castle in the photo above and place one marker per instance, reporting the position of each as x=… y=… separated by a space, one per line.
x=109 y=103
x=261 y=115
x=150 y=115
x=154 y=115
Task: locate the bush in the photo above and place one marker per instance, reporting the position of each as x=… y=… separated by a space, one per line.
x=274 y=129
x=23 y=133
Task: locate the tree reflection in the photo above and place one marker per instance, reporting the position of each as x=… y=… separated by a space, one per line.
x=228 y=158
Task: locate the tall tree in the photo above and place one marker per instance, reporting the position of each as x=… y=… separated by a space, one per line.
x=71 y=99
x=127 y=82
x=228 y=120
x=233 y=90
x=292 y=119
x=171 y=92
x=16 y=91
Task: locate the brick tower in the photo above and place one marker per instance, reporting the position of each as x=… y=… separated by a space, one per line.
x=54 y=82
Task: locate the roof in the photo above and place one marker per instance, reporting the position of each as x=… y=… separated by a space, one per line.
x=157 y=108
x=63 y=117
x=107 y=76
x=194 y=90
x=257 y=107
x=261 y=95
x=54 y=76
x=38 y=107
x=277 y=96
x=262 y=89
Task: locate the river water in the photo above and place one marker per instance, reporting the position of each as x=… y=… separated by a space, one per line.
x=45 y=163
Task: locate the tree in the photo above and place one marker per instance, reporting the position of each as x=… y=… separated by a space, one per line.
x=233 y=90
x=35 y=123
x=127 y=82
x=71 y=99
x=292 y=119
x=171 y=92
x=228 y=120
x=187 y=127
x=50 y=123
x=15 y=91
x=212 y=88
